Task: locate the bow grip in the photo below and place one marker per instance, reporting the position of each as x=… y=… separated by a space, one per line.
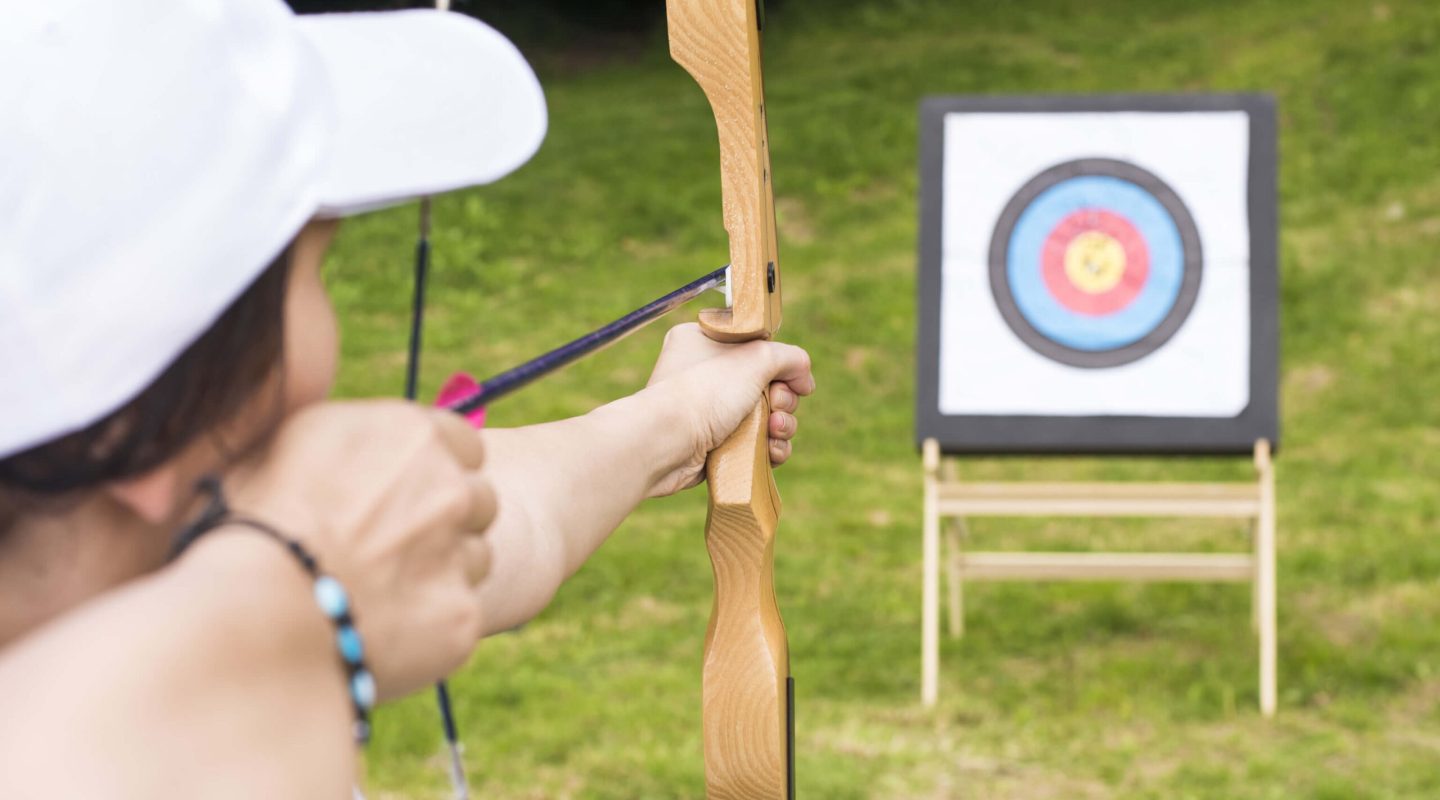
x=745 y=709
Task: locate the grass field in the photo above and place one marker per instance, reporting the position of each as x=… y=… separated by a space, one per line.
x=1058 y=691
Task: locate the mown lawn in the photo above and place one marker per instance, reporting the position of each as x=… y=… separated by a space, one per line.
x=1058 y=691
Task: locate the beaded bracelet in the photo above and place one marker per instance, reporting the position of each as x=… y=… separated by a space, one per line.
x=330 y=596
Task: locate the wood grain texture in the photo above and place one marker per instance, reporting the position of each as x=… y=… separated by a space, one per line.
x=718 y=43
x=747 y=659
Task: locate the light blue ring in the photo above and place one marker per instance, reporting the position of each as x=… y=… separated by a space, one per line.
x=1082 y=331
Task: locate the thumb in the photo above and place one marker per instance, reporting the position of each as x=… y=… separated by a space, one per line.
x=791 y=366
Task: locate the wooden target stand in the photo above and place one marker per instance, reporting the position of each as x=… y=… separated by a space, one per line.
x=949 y=502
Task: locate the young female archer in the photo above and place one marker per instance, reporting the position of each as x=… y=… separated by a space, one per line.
x=208 y=572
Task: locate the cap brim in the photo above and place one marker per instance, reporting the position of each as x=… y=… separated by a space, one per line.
x=425 y=102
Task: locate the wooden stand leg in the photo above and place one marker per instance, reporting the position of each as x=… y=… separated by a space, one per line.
x=930 y=600
x=1255 y=575
x=954 y=541
x=954 y=556
x=1265 y=579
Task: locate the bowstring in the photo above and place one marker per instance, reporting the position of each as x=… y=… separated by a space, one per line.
x=412 y=373
x=458 y=781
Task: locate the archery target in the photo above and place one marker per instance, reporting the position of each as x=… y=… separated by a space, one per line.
x=1095 y=264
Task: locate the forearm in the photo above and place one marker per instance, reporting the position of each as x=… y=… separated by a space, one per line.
x=216 y=677
x=564 y=487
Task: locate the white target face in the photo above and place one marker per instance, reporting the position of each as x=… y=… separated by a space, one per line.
x=1095 y=264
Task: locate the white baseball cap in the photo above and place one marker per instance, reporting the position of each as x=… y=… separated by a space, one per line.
x=157 y=155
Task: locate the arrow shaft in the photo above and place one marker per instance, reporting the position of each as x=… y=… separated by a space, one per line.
x=515 y=378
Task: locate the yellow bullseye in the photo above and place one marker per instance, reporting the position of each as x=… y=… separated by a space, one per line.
x=1094 y=262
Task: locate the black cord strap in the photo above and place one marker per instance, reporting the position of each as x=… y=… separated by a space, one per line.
x=330 y=595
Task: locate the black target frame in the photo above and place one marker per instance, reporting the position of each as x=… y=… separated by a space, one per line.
x=1062 y=435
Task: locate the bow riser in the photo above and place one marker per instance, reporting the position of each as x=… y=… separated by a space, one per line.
x=746 y=709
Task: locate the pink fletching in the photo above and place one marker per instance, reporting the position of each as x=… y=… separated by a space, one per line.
x=459 y=387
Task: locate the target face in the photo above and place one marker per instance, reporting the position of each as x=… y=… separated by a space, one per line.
x=1095 y=263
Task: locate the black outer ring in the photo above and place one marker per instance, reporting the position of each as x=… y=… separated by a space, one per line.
x=1161 y=333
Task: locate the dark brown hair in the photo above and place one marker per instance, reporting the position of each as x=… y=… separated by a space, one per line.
x=203 y=388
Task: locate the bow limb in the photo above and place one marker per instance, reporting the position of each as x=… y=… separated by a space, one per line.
x=747 y=714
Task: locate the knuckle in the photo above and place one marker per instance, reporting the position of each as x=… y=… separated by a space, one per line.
x=782 y=398
x=788 y=357
x=459 y=501
x=465 y=626
x=681 y=331
x=801 y=356
x=486 y=504
x=778 y=452
x=390 y=423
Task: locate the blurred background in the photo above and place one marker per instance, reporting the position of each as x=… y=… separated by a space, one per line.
x=1057 y=691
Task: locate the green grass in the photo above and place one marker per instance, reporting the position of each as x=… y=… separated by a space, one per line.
x=1058 y=691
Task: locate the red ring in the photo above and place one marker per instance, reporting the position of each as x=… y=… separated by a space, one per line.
x=1137 y=262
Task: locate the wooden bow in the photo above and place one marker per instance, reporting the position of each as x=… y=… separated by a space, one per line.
x=748 y=694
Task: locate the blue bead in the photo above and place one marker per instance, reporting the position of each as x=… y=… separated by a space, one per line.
x=362 y=689
x=331 y=597
x=350 y=647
